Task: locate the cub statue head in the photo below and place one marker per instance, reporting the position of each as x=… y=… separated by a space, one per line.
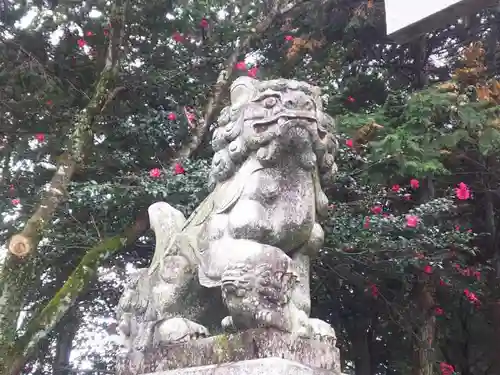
x=279 y=122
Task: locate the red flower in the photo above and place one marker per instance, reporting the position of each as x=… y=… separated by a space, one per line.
x=204 y=23
x=366 y=224
x=438 y=311
x=49 y=102
x=374 y=290
x=172 y=116
x=190 y=116
x=471 y=296
x=155 y=172
x=11 y=188
x=477 y=275
x=376 y=210
x=462 y=192
x=411 y=221
x=457 y=227
x=407 y=197
x=89 y=33
x=105 y=32
x=350 y=99
x=81 y=43
x=40 y=137
x=240 y=65
x=395 y=188
x=15 y=201
x=349 y=143
x=252 y=72
x=446 y=369
x=428 y=269
x=288 y=38
x=178 y=169
x=414 y=183
x=178 y=37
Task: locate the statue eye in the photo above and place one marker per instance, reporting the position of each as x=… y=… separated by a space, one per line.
x=270 y=102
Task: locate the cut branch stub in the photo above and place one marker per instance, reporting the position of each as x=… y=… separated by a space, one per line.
x=20 y=246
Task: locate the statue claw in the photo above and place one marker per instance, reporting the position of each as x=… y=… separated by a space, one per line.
x=321 y=330
x=179 y=330
x=228 y=325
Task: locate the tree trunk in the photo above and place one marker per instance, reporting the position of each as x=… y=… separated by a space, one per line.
x=66 y=333
x=361 y=348
x=17 y=272
x=424 y=332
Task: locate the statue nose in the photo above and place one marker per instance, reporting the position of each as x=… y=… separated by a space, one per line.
x=299 y=102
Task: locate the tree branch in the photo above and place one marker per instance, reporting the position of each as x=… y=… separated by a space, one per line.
x=17 y=272
x=214 y=105
x=42 y=324
x=25 y=242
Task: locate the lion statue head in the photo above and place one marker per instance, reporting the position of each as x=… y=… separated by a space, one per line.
x=275 y=121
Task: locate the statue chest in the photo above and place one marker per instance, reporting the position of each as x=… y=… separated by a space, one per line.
x=276 y=207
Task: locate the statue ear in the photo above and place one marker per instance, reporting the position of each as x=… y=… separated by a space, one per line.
x=242 y=90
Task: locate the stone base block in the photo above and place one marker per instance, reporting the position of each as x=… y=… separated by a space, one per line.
x=264 y=366
x=239 y=350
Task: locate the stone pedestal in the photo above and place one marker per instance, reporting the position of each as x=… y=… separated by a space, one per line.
x=253 y=352
x=264 y=366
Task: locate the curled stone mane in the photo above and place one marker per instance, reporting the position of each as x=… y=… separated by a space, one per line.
x=232 y=149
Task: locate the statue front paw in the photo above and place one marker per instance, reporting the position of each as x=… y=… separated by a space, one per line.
x=321 y=330
x=175 y=330
x=228 y=325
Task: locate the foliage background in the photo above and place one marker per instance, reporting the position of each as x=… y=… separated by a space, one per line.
x=402 y=298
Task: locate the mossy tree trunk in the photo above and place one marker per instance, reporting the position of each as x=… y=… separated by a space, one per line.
x=17 y=271
x=24 y=346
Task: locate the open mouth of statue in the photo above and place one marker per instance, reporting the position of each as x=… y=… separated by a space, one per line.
x=285 y=124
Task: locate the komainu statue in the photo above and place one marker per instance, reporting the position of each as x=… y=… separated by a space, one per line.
x=242 y=259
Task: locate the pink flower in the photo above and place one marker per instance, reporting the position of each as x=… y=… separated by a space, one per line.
x=457 y=227
x=252 y=72
x=366 y=224
x=446 y=369
x=204 y=23
x=15 y=201
x=350 y=99
x=240 y=65
x=81 y=43
x=438 y=311
x=374 y=290
x=178 y=37
x=349 y=143
x=428 y=269
x=49 y=102
x=462 y=192
x=190 y=116
x=407 y=197
x=89 y=33
x=105 y=32
x=288 y=38
x=178 y=169
x=376 y=209
x=411 y=221
x=40 y=137
x=471 y=296
x=395 y=188
x=155 y=172
x=172 y=116
x=414 y=183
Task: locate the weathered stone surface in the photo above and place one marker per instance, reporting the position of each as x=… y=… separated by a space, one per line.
x=231 y=348
x=265 y=366
x=242 y=259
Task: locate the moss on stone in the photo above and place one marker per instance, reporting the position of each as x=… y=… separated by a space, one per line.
x=221 y=348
